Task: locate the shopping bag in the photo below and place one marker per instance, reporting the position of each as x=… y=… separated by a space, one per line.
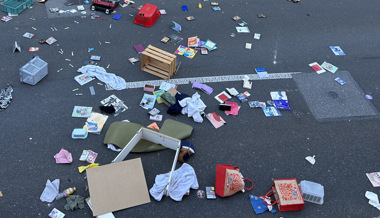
x=287 y=193
x=229 y=180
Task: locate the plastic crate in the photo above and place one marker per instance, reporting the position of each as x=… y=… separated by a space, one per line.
x=147 y=16
x=312 y=192
x=33 y=71
x=16 y=6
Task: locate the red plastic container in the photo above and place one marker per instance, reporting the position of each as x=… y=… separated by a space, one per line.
x=147 y=16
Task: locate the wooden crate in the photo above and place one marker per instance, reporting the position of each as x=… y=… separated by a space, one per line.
x=158 y=62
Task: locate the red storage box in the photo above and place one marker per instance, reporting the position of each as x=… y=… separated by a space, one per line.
x=147 y=16
x=288 y=195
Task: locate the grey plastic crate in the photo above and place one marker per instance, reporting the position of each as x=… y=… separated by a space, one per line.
x=33 y=71
x=312 y=192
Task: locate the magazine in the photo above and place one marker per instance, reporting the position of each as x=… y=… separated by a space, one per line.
x=271 y=111
x=180 y=50
x=215 y=119
x=95 y=123
x=81 y=111
x=147 y=102
x=189 y=53
x=374 y=178
x=192 y=41
x=83 y=79
x=116 y=103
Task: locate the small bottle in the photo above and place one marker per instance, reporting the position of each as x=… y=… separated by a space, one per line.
x=65 y=193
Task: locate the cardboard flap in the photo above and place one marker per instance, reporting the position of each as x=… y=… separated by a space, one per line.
x=117 y=186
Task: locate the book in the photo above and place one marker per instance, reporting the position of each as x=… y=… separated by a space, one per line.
x=317 y=67
x=232 y=91
x=329 y=67
x=243 y=96
x=210 y=45
x=262 y=73
x=215 y=119
x=28 y=35
x=222 y=97
x=166 y=86
x=244 y=29
x=51 y=40
x=162 y=11
x=139 y=48
x=165 y=39
x=340 y=81
x=374 y=178
x=6 y=18
x=192 y=41
x=180 y=50
x=95 y=57
x=256 y=104
x=175 y=38
x=55 y=213
x=337 y=50
x=158 y=117
x=83 y=79
x=134 y=60
x=95 y=122
x=81 y=111
x=216 y=8
x=114 y=101
x=204 y=51
x=147 y=101
x=154 y=112
x=210 y=192
x=271 y=111
x=189 y=53
x=158 y=94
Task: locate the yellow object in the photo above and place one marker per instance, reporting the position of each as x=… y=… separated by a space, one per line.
x=199 y=5
x=83 y=168
x=1 y=194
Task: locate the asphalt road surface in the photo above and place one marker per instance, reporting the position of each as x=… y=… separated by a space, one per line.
x=344 y=137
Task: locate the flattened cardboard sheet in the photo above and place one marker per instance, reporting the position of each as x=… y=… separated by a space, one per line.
x=117 y=186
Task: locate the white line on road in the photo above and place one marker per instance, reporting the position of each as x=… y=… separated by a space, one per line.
x=210 y=79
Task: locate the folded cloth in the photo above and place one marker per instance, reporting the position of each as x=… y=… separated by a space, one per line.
x=111 y=79
x=183 y=179
x=51 y=191
x=74 y=202
x=176 y=108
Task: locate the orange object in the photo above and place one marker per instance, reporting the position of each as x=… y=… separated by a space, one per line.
x=154 y=126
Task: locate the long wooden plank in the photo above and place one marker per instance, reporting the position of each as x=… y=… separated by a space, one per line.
x=162 y=51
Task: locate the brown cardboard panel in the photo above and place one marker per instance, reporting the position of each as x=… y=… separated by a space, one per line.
x=117 y=186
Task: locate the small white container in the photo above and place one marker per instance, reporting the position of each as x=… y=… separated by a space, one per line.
x=312 y=192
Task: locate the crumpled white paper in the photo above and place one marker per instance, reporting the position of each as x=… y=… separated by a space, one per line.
x=51 y=191
x=373 y=199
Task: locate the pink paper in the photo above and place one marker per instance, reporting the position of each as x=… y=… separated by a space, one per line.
x=63 y=156
x=234 y=108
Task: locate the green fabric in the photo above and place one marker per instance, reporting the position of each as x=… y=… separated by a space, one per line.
x=120 y=133
x=74 y=202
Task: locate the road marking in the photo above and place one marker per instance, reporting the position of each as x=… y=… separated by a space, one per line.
x=210 y=79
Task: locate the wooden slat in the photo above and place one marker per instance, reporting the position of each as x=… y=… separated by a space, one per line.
x=154 y=73
x=157 y=56
x=152 y=67
x=158 y=64
x=162 y=51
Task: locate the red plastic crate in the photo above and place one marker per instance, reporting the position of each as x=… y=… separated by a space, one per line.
x=147 y=16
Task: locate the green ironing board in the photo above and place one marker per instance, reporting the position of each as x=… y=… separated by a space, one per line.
x=120 y=133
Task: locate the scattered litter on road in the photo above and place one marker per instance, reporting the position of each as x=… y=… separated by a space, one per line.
x=63 y=156
x=51 y=191
x=257 y=36
x=337 y=50
x=329 y=67
x=312 y=192
x=248 y=46
x=340 y=81
x=373 y=199
x=262 y=16
x=55 y=213
x=242 y=29
x=311 y=159
x=317 y=67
